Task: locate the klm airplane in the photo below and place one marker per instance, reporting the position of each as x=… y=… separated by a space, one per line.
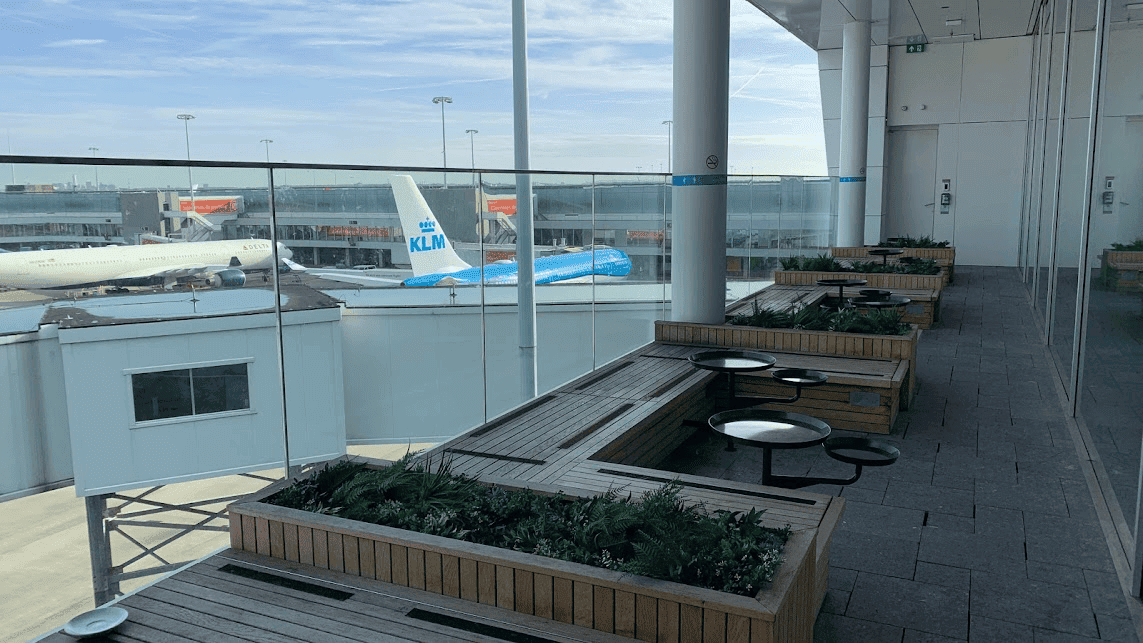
x=435 y=263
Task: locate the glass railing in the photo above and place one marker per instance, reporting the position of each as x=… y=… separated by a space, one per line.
x=374 y=351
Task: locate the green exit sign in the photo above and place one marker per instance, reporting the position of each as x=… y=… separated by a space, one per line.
x=914 y=49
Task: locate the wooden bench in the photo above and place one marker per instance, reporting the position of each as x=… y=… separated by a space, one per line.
x=235 y=595
x=861 y=394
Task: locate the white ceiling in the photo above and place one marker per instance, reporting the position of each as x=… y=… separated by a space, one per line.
x=897 y=22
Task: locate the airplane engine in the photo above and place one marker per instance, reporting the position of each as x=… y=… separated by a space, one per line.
x=229 y=278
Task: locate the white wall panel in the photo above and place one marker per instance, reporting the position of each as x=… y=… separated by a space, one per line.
x=989 y=181
x=995 y=84
x=931 y=78
x=111 y=452
x=948 y=147
x=1125 y=73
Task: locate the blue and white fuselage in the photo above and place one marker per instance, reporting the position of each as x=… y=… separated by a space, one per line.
x=601 y=264
x=434 y=262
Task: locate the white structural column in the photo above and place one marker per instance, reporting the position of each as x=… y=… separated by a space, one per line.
x=854 y=126
x=698 y=234
x=525 y=238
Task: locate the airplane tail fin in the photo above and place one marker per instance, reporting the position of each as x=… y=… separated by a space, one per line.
x=430 y=251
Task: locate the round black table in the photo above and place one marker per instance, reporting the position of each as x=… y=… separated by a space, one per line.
x=731 y=363
x=769 y=430
x=841 y=284
x=885 y=252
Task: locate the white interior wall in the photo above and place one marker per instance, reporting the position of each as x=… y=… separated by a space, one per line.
x=976 y=93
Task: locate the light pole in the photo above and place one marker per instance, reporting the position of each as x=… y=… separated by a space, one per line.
x=186 y=119
x=668 y=124
x=472 y=141
x=444 y=148
x=472 y=147
x=267 y=142
x=93 y=151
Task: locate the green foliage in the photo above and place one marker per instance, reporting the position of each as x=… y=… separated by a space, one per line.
x=659 y=536
x=886 y=321
x=916 y=267
x=820 y=263
x=1133 y=246
x=825 y=263
x=909 y=242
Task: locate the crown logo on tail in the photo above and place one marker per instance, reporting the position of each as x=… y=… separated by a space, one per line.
x=427 y=226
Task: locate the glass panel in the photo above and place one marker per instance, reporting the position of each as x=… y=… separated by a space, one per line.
x=162 y=395
x=220 y=388
x=1111 y=393
x=412 y=358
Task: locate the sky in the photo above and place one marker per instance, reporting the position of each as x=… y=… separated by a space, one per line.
x=353 y=82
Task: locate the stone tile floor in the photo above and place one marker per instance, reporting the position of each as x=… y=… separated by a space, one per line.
x=984 y=530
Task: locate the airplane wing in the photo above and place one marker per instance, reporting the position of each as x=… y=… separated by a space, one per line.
x=172 y=272
x=352 y=277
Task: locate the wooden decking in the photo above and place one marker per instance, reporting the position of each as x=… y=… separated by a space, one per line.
x=238 y=597
x=924 y=309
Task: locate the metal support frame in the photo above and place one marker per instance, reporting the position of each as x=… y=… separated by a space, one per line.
x=104 y=520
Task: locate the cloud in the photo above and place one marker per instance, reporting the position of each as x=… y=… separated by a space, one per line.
x=74 y=43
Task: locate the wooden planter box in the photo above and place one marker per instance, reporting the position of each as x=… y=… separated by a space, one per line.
x=815 y=342
x=888 y=280
x=633 y=606
x=1122 y=270
x=945 y=257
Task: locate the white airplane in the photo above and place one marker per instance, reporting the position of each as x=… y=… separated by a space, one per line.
x=219 y=263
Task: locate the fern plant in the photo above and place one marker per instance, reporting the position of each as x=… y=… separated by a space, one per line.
x=886 y=321
x=659 y=536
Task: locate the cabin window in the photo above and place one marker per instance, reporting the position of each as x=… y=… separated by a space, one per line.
x=190 y=391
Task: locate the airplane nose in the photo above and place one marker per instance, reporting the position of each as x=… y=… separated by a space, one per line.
x=284 y=252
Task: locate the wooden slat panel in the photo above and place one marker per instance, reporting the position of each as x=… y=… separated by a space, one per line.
x=434 y=579
x=321 y=548
x=563 y=600
x=583 y=602
x=262 y=536
x=525 y=592
x=336 y=552
x=277 y=539
x=713 y=626
x=544 y=601
x=625 y=614
x=668 y=627
x=469 y=580
x=486 y=586
x=450 y=575
x=737 y=629
x=399 y=559
x=368 y=563
x=305 y=545
x=416 y=567
x=505 y=587
x=249 y=537
x=290 y=538
x=603 y=609
x=235 y=520
x=690 y=624
x=351 y=558
x=383 y=558
x=646 y=618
